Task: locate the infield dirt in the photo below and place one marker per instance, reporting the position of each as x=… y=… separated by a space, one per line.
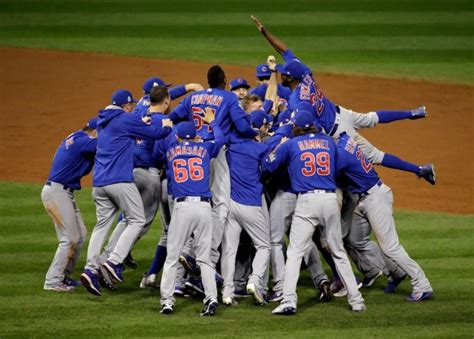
x=48 y=94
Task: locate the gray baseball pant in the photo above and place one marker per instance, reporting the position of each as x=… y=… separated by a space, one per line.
x=253 y=220
x=149 y=187
x=314 y=209
x=189 y=217
x=109 y=200
x=220 y=188
x=282 y=210
x=377 y=214
x=70 y=230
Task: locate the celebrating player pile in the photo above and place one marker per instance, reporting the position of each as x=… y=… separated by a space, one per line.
x=234 y=172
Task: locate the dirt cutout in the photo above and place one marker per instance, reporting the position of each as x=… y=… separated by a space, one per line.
x=46 y=95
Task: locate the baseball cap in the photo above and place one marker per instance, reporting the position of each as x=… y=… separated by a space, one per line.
x=263 y=71
x=284 y=117
x=238 y=83
x=304 y=119
x=306 y=106
x=121 y=97
x=92 y=123
x=293 y=68
x=258 y=118
x=186 y=130
x=152 y=82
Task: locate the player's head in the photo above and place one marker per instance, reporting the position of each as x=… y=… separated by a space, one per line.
x=186 y=130
x=216 y=77
x=124 y=99
x=251 y=103
x=91 y=127
x=284 y=117
x=292 y=72
x=159 y=96
x=263 y=74
x=239 y=87
x=259 y=121
x=152 y=82
x=304 y=123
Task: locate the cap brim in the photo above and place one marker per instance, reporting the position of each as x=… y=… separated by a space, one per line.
x=168 y=85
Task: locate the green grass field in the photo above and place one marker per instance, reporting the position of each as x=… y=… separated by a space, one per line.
x=408 y=38
x=441 y=243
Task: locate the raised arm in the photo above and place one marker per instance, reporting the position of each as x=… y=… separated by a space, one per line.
x=276 y=43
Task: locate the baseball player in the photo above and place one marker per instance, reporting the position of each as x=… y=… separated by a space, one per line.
x=263 y=74
x=113 y=183
x=374 y=211
x=240 y=87
x=74 y=159
x=336 y=119
x=229 y=117
x=190 y=160
x=310 y=157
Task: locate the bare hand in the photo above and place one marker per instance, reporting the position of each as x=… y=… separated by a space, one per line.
x=260 y=27
x=166 y=123
x=209 y=115
x=146 y=119
x=271 y=62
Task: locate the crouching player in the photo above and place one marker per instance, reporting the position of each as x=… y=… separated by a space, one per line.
x=189 y=159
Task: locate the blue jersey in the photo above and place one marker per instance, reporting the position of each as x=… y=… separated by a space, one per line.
x=143 y=152
x=229 y=115
x=189 y=163
x=309 y=90
x=282 y=92
x=142 y=106
x=245 y=164
x=355 y=172
x=117 y=131
x=310 y=159
x=74 y=159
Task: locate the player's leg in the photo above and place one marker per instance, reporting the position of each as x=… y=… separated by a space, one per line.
x=149 y=185
x=378 y=208
x=220 y=188
x=60 y=206
x=315 y=267
x=127 y=197
x=243 y=263
x=302 y=229
x=329 y=216
x=202 y=246
x=179 y=231
x=230 y=243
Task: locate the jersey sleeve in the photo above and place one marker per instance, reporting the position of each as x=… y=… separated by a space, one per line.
x=219 y=140
x=177 y=91
x=241 y=120
x=182 y=111
x=89 y=146
x=267 y=105
x=137 y=128
x=277 y=157
x=288 y=56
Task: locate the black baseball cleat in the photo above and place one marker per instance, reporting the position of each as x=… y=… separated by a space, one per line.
x=167 y=309
x=324 y=288
x=210 y=307
x=105 y=279
x=428 y=173
x=130 y=262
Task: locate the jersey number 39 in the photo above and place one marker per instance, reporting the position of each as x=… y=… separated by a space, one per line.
x=184 y=169
x=316 y=164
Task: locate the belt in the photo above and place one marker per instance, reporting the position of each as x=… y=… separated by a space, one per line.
x=195 y=199
x=336 y=122
x=319 y=191
x=372 y=189
x=56 y=184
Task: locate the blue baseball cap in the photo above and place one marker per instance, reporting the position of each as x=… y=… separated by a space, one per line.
x=263 y=71
x=92 y=123
x=293 y=68
x=238 y=83
x=284 y=117
x=152 y=82
x=121 y=97
x=306 y=106
x=304 y=119
x=258 y=118
x=186 y=130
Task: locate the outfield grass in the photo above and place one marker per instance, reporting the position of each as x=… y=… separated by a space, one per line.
x=441 y=243
x=429 y=39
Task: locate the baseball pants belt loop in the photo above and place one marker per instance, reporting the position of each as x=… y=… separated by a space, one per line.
x=372 y=189
x=337 y=120
x=318 y=191
x=195 y=199
x=56 y=184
